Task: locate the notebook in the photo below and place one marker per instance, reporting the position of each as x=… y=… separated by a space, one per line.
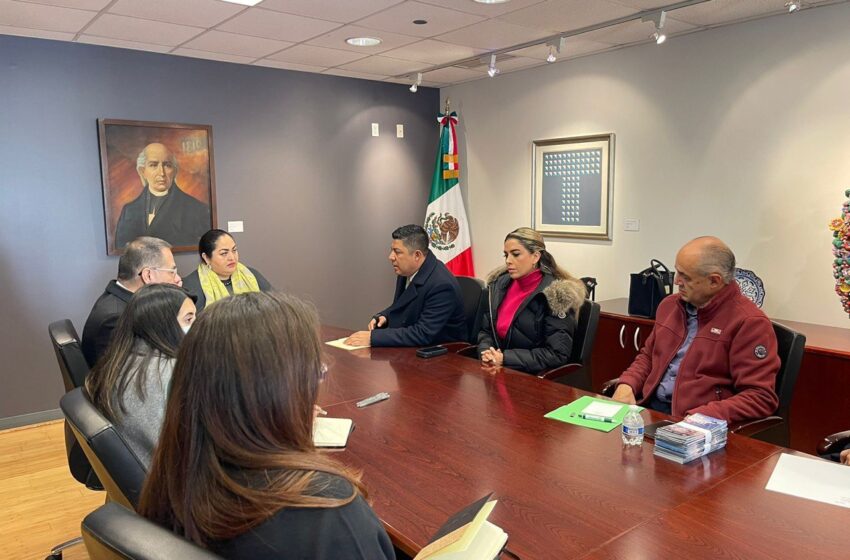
x=467 y=535
x=332 y=432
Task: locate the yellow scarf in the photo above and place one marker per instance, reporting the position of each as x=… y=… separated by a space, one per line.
x=242 y=281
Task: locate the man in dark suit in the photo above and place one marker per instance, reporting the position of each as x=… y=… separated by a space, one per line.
x=427 y=307
x=162 y=209
x=146 y=260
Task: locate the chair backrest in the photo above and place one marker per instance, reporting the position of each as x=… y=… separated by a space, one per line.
x=112 y=532
x=115 y=464
x=472 y=292
x=790 y=347
x=69 y=354
x=585 y=333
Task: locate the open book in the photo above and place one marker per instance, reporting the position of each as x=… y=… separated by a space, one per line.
x=467 y=535
x=332 y=432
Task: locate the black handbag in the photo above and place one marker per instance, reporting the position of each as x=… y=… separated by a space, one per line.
x=648 y=287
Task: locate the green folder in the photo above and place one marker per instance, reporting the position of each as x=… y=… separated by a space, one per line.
x=569 y=413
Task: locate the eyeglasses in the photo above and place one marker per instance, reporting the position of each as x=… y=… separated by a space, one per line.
x=172 y=271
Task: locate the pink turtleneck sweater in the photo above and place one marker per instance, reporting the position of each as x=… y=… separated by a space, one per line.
x=518 y=290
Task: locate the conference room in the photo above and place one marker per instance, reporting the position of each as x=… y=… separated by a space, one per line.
x=721 y=118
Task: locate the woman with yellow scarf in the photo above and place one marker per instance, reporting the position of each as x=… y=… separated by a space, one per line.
x=220 y=273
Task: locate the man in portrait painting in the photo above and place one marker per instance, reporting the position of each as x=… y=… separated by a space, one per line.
x=162 y=209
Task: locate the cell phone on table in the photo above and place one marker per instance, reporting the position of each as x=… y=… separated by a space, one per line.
x=431 y=351
x=649 y=430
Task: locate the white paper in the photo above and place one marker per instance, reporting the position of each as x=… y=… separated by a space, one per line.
x=812 y=479
x=331 y=432
x=486 y=545
x=340 y=343
x=604 y=410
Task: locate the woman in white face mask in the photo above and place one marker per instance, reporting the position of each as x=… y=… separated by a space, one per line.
x=129 y=384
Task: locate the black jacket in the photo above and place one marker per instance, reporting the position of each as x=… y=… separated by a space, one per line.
x=192 y=284
x=102 y=320
x=181 y=220
x=541 y=334
x=428 y=311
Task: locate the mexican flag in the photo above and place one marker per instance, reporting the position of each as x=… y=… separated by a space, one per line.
x=445 y=218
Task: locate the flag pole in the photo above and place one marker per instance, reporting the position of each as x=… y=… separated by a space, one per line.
x=448 y=102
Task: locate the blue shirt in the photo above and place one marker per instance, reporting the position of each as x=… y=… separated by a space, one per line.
x=664 y=393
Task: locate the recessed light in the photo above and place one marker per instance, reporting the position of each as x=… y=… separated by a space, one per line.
x=492 y=1
x=245 y=2
x=420 y=21
x=363 y=41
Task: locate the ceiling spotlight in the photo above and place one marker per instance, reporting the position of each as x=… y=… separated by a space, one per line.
x=555 y=46
x=792 y=6
x=415 y=87
x=363 y=41
x=492 y=70
x=658 y=18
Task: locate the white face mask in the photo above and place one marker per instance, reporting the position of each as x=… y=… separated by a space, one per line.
x=186 y=328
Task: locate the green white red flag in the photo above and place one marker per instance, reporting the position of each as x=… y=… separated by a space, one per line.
x=445 y=218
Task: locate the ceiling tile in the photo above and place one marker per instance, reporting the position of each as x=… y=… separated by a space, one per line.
x=573 y=47
x=399 y=19
x=433 y=52
x=121 y=44
x=493 y=34
x=93 y=5
x=47 y=18
x=277 y=25
x=37 y=33
x=317 y=56
x=567 y=15
x=141 y=30
x=350 y=74
x=645 y=4
x=289 y=66
x=383 y=65
x=336 y=39
x=213 y=56
x=717 y=12
x=453 y=75
x=516 y=63
x=334 y=10
x=635 y=32
x=486 y=10
x=240 y=45
x=407 y=82
x=200 y=13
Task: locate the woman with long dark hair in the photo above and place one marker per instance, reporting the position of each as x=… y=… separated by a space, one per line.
x=129 y=383
x=236 y=470
x=532 y=308
x=220 y=273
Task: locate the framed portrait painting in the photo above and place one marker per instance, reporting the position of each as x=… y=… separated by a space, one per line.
x=573 y=186
x=158 y=180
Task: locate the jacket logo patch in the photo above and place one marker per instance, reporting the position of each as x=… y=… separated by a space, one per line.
x=715 y=330
x=760 y=351
x=562 y=315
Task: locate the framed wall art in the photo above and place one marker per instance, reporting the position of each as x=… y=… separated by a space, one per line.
x=573 y=186
x=158 y=180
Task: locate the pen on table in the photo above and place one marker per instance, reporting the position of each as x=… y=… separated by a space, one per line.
x=373 y=399
x=596 y=418
x=321 y=411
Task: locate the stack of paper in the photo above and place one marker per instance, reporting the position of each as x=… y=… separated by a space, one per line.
x=690 y=439
x=332 y=432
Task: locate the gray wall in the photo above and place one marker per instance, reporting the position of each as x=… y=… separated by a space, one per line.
x=294 y=159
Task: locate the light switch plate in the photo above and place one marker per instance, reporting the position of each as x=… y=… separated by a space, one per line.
x=631 y=224
x=374 y=129
x=235 y=227
x=399 y=131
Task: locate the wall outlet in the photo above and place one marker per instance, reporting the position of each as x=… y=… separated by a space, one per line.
x=399 y=131
x=235 y=227
x=374 y=129
x=631 y=224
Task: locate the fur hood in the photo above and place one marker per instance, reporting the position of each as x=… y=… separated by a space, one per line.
x=562 y=296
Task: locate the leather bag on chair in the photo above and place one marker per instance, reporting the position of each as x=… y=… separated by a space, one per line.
x=648 y=287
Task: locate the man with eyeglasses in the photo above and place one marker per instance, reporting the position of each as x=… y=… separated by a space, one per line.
x=146 y=260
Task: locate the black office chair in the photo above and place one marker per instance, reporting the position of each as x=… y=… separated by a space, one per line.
x=577 y=373
x=774 y=429
x=121 y=472
x=590 y=283
x=112 y=532
x=473 y=294
x=74 y=369
x=833 y=444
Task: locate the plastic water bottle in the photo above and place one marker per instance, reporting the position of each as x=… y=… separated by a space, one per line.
x=633 y=427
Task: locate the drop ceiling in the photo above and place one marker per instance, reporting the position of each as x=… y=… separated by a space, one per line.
x=309 y=35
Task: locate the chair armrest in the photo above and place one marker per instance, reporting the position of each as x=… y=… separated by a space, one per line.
x=834 y=443
x=610 y=386
x=561 y=371
x=752 y=427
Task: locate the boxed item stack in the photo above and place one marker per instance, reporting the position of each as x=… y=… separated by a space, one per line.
x=691 y=438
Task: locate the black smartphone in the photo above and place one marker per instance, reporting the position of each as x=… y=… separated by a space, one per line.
x=649 y=431
x=431 y=351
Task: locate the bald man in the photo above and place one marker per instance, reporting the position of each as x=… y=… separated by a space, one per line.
x=162 y=209
x=712 y=350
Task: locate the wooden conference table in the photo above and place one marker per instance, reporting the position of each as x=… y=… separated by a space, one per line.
x=451 y=433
